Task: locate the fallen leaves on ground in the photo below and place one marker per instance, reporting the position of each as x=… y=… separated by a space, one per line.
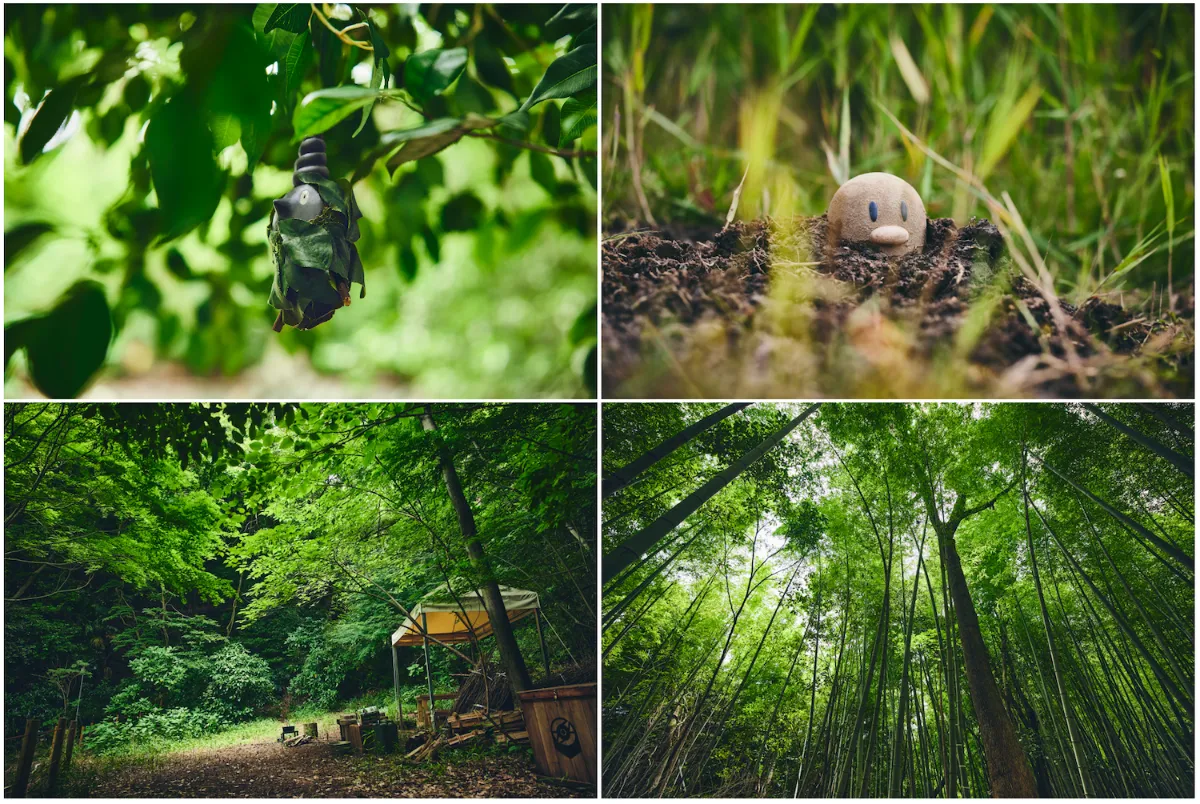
x=269 y=770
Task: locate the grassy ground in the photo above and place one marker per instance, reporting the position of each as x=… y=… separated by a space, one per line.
x=1070 y=127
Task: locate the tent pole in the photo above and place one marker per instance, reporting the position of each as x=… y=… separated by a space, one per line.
x=428 y=674
x=396 y=685
x=537 y=620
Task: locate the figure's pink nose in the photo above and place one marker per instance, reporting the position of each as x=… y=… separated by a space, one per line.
x=890 y=236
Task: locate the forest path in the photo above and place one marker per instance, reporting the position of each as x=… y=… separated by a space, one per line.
x=269 y=770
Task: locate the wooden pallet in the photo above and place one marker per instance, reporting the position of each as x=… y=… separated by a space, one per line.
x=518 y=737
x=507 y=719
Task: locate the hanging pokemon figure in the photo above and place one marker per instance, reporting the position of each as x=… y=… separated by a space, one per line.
x=311 y=233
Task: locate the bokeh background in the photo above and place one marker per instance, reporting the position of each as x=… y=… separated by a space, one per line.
x=1083 y=114
x=480 y=260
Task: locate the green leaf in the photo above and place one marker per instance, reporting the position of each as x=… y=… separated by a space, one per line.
x=1164 y=174
x=431 y=72
x=325 y=108
x=587 y=165
x=378 y=71
x=462 y=213
x=306 y=244
x=21 y=237
x=408 y=263
x=514 y=125
x=226 y=131
x=578 y=114
x=418 y=147
x=69 y=344
x=262 y=13
x=295 y=64
x=1004 y=124
x=432 y=245
x=310 y=284
x=136 y=93
x=177 y=264
x=568 y=75
x=571 y=18
x=290 y=17
x=584 y=327
x=186 y=178
x=48 y=119
x=542 y=170
x=255 y=132
x=490 y=66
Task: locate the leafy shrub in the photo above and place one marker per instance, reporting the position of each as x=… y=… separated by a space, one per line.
x=240 y=683
x=179 y=692
x=156 y=726
x=323 y=669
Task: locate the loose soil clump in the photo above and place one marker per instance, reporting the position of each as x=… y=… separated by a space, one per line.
x=770 y=308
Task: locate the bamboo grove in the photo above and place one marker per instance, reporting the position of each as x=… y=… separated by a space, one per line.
x=898 y=600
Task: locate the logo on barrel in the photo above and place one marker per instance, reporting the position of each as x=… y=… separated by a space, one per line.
x=566 y=741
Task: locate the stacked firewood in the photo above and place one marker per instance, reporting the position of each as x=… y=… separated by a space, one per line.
x=489 y=690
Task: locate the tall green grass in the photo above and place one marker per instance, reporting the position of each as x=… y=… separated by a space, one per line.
x=1075 y=124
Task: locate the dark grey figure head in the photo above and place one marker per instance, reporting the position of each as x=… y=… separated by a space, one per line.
x=304 y=202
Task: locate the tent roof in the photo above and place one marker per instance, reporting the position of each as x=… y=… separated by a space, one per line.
x=446 y=620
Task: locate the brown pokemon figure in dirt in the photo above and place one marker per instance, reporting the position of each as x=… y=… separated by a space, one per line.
x=878 y=209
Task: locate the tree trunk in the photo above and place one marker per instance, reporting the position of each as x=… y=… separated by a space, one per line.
x=1160 y=412
x=506 y=641
x=630 y=471
x=902 y=716
x=1077 y=753
x=1008 y=767
x=632 y=548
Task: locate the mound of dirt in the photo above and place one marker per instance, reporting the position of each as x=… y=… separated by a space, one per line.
x=769 y=308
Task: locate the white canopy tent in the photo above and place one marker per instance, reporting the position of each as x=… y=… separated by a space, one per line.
x=450 y=618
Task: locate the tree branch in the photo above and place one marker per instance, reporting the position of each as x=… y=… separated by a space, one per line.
x=532 y=146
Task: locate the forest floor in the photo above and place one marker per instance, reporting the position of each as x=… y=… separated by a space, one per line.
x=767 y=309
x=269 y=770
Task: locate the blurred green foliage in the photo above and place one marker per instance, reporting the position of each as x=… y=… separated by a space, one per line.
x=144 y=144
x=1082 y=113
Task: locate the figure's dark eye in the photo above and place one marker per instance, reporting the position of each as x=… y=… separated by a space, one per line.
x=874 y=210
x=903 y=210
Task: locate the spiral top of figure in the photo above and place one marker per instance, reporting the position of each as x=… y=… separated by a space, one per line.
x=311 y=234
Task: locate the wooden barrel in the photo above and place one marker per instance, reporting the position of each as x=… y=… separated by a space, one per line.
x=561 y=722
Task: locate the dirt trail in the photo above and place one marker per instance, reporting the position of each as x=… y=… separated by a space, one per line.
x=269 y=770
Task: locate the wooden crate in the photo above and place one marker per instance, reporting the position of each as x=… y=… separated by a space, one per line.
x=423 y=708
x=561 y=722
x=354 y=736
x=510 y=720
